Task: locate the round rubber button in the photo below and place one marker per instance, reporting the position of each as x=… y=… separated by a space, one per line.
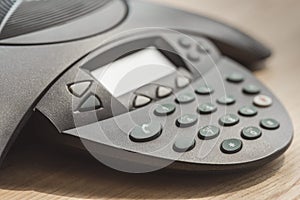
x=202 y=49
x=248 y=111
x=229 y=120
x=207 y=108
x=236 y=78
x=184 y=144
x=231 y=146
x=263 y=101
x=251 y=89
x=165 y=109
x=208 y=132
x=226 y=100
x=186 y=120
x=193 y=56
x=251 y=133
x=185 y=43
x=185 y=98
x=204 y=90
x=146 y=132
x=270 y=124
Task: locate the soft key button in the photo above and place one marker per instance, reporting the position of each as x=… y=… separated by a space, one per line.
x=140 y=101
x=162 y=91
x=80 y=88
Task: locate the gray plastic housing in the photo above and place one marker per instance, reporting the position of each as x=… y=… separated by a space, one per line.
x=31 y=63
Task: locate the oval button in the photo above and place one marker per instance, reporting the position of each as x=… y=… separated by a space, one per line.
x=231 y=146
x=146 y=132
x=184 y=144
x=165 y=109
x=186 y=120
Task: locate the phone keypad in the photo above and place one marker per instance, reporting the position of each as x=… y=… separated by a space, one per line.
x=210 y=132
x=228 y=121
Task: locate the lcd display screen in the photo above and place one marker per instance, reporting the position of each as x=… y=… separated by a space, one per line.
x=134 y=71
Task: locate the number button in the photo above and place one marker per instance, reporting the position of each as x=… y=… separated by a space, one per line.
x=248 y=111
x=207 y=108
x=270 y=124
x=251 y=89
x=184 y=144
x=185 y=98
x=229 y=120
x=193 y=56
x=185 y=43
x=231 y=146
x=165 y=109
x=251 y=133
x=146 y=132
x=204 y=90
x=226 y=100
x=235 y=78
x=186 y=121
x=209 y=132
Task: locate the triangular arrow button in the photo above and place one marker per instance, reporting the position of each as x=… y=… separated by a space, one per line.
x=80 y=88
x=91 y=103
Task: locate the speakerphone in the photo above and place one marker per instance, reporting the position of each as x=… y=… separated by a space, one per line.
x=138 y=85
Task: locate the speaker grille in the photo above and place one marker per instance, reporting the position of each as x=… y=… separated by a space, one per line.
x=5 y=6
x=35 y=15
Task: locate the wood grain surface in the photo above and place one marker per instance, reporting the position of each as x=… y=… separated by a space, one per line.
x=43 y=171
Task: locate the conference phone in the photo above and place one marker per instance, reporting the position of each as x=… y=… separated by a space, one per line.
x=138 y=85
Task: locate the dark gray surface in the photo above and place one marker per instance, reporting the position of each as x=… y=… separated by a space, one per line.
x=27 y=72
x=207 y=154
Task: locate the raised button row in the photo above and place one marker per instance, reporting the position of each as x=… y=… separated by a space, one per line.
x=188 y=120
x=188 y=43
x=161 y=92
x=149 y=132
x=205 y=108
x=260 y=100
x=238 y=78
x=193 y=56
x=208 y=108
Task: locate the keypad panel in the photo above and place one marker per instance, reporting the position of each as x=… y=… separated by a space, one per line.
x=213 y=132
x=225 y=119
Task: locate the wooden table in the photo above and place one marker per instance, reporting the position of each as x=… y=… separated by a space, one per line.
x=36 y=172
